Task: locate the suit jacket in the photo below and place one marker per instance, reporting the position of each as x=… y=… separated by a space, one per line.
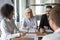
x=54 y=36
x=44 y=21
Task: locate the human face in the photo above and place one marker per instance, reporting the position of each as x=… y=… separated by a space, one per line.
x=47 y=11
x=28 y=13
x=52 y=24
x=11 y=15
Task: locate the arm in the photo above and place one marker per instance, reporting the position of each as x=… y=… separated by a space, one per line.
x=24 y=24
x=6 y=32
x=41 y=22
x=16 y=29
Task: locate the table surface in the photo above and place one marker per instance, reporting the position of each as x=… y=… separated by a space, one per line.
x=22 y=39
x=38 y=34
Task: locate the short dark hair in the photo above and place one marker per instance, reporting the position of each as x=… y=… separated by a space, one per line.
x=55 y=15
x=48 y=6
x=6 y=10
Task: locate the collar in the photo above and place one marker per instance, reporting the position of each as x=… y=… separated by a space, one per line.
x=7 y=19
x=58 y=30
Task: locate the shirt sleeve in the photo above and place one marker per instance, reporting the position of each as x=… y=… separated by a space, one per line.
x=16 y=29
x=13 y=35
x=24 y=23
x=6 y=32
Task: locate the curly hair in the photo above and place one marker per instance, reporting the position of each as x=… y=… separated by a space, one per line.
x=6 y=10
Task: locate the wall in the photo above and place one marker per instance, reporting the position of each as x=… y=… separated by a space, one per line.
x=2 y=2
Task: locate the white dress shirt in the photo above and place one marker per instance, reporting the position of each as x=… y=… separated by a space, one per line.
x=8 y=29
x=54 y=36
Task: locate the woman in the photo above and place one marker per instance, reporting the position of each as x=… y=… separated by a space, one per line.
x=30 y=21
x=8 y=27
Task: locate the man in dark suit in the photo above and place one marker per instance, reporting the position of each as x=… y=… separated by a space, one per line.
x=44 y=23
x=54 y=21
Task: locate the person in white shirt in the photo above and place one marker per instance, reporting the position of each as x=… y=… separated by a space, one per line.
x=8 y=27
x=30 y=21
x=54 y=21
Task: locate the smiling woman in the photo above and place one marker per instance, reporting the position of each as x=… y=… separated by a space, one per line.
x=8 y=27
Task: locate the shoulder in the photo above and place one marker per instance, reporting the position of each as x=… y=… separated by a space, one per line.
x=54 y=36
x=2 y=21
x=44 y=15
x=25 y=19
x=48 y=37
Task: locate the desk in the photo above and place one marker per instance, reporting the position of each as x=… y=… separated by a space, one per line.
x=31 y=36
x=22 y=39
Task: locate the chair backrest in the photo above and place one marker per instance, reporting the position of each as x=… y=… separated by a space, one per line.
x=38 y=17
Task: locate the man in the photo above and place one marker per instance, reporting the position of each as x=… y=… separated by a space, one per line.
x=54 y=21
x=44 y=24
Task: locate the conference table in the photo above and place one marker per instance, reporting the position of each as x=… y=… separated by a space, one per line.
x=30 y=36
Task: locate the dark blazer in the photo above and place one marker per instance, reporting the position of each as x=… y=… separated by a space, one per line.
x=44 y=21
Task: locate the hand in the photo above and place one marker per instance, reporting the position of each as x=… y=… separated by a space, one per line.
x=26 y=28
x=45 y=27
x=41 y=30
x=35 y=27
x=22 y=33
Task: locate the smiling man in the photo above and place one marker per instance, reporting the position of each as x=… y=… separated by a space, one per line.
x=54 y=21
x=44 y=23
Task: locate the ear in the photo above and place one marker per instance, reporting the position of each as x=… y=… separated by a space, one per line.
x=51 y=22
